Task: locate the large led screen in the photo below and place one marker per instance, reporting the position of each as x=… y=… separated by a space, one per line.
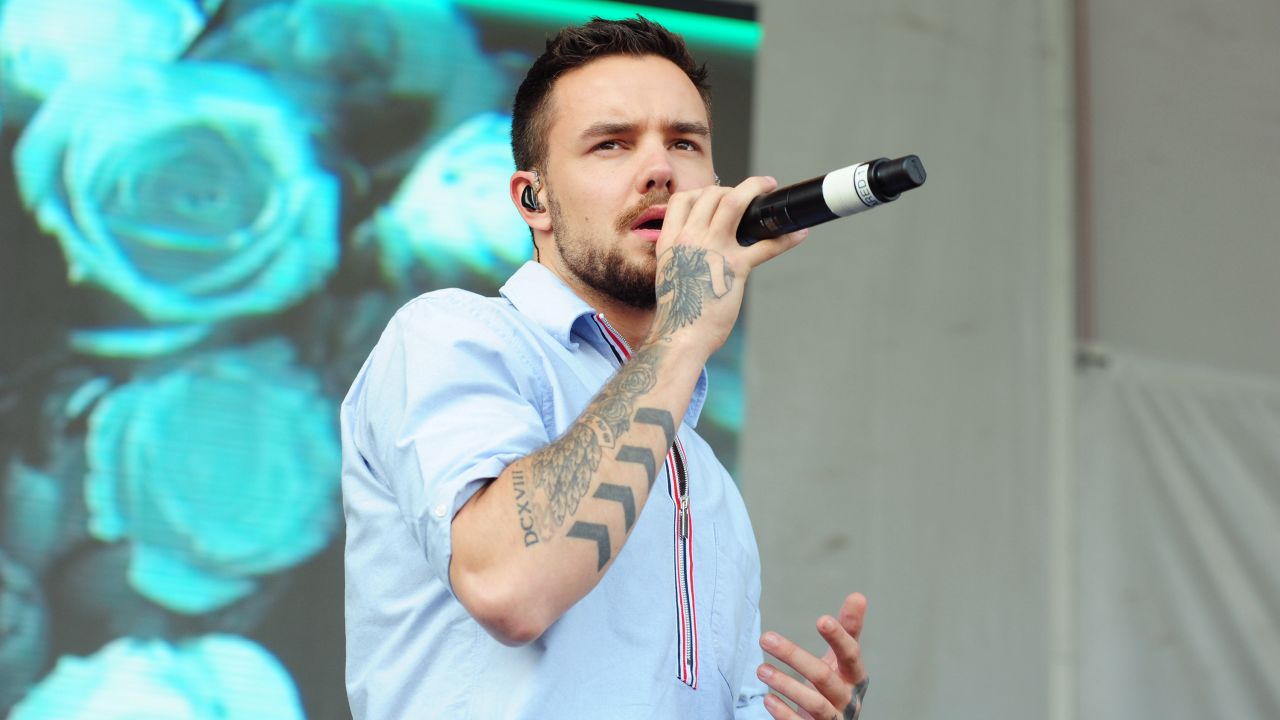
x=209 y=209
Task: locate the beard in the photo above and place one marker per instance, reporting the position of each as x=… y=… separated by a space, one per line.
x=608 y=270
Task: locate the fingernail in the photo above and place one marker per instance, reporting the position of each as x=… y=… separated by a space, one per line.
x=770 y=640
x=828 y=624
x=765 y=672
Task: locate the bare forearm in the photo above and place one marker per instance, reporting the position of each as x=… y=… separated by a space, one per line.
x=612 y=452
x=543 y=534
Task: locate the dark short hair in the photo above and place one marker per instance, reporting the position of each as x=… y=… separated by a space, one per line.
x=576 y=46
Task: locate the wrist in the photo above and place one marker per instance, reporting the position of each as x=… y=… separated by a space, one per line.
x=684 y=347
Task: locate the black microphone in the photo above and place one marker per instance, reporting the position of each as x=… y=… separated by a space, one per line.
x=839 y=193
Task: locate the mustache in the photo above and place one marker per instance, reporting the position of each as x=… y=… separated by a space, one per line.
x=633 y=213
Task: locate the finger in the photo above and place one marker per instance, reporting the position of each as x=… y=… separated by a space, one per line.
x=825 y=678
x=768 y=249
x=848 y=652
x=805 y=697
x=678 y=207
x=852 y=614
x=779 y=709
x=702 y=211
x=734 y=203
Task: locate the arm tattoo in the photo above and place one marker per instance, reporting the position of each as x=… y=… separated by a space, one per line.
x=685 y=280
x=524 y=509
x=563 y=470
x=661 y=418
x=640 y=456
x=622 y=495
x=598 y=534
x=645 y=456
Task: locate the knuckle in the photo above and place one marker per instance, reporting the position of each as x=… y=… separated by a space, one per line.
x=713 y=198
x=736 y=201
x=819 y=708
x=684 y=196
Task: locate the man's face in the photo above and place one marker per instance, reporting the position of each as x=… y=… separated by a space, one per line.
x=625 y=133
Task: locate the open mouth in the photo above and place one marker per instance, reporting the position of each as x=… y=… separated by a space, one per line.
x=649 y=222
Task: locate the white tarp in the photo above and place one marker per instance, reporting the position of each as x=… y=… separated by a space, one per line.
x=1179 y=543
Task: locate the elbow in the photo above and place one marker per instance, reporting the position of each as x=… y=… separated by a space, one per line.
x=512 y=633
x=508 y=626
x=509 y=616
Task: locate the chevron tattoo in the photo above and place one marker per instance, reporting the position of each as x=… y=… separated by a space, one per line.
x=597 y=533
x=622 y=495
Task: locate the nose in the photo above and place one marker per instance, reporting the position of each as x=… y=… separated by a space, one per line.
x=656 y=171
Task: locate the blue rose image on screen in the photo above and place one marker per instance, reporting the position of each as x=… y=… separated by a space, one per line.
x=46 y=42
x=214 y=471
x=190 y=191
x=179 y=162
x=335 y=53
x=453 y=212
x=23 y=627
x=216 y=677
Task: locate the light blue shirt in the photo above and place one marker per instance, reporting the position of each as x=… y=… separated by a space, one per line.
x=458 y=387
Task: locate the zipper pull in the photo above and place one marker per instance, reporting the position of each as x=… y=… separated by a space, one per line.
x=684 y=520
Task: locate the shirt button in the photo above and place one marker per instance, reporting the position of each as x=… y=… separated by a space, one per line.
x=441 y=511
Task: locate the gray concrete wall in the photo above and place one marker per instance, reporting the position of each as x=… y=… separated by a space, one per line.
x=1183 y=113
x=907 y=370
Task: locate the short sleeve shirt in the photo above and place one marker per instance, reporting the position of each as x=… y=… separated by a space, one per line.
x=457 y=388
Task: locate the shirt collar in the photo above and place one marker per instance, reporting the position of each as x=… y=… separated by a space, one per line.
x=541 y=295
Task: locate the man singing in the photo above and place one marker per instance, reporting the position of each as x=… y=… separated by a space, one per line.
x=534 y=529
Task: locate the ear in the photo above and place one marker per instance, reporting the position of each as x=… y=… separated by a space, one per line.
x=539 y=221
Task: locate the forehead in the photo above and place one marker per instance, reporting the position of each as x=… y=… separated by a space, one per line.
x=643 y=90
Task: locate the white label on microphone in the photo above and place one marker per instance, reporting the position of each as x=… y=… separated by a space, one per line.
x=846 y=190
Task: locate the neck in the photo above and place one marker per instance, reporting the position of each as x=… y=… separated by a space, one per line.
x=632 y=322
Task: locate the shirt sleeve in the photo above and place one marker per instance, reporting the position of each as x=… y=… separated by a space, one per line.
x=450 y=399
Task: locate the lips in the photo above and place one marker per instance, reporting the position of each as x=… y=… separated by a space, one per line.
x=653 y=214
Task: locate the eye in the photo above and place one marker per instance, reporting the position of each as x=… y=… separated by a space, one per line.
x=608 y=145
x=689 y=145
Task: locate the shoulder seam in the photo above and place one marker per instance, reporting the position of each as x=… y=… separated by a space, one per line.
x=488 y=310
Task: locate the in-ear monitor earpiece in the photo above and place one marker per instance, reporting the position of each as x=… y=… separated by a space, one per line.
x=529 y=200
x=529 y=196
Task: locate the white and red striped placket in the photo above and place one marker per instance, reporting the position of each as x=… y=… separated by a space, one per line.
x=678 y=490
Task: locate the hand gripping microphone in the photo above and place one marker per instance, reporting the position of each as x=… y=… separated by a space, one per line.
x=840 y=192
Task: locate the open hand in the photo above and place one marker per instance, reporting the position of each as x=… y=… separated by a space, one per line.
x=836 y=683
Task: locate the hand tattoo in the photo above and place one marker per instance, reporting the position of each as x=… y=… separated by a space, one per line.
x=684 y=282
x=854 y=708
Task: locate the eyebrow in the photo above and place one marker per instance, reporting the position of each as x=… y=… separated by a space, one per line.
x=682 y=127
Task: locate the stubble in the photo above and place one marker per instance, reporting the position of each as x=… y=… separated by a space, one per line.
x=603 y=266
